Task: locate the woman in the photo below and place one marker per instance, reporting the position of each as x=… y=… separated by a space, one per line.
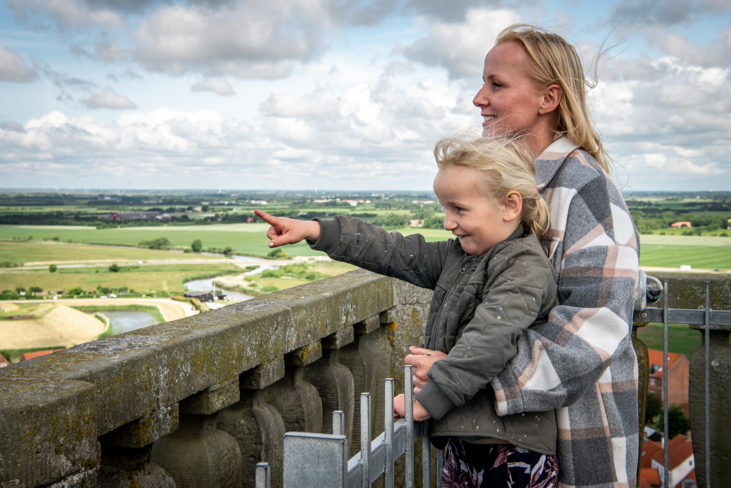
x=581 y=362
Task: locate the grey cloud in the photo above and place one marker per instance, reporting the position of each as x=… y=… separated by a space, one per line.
x=65 y=14
x=257 y=38
x=11 y=125
x=109 y=100
x=218 y=86
x=455 y=10
x=362 y=12
x=667 y=12
x=460 y=47
x=14 y=69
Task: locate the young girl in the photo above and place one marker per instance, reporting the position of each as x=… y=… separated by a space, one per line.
x=490 y=284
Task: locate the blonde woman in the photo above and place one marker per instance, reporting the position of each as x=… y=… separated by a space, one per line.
x=491 y=284
x=581 y=361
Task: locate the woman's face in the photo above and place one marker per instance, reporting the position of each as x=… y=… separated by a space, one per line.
x=509 y=100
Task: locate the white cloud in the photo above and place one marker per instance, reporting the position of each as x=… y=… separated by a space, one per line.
x=14 y=69
x=218 y=86
x=250 y=39
x=460 y=47
x=111 y=100
x=67 y=14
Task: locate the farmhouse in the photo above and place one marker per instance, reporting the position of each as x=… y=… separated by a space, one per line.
x=677 y=377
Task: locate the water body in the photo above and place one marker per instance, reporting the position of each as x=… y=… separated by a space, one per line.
x=125 y=321
x=207 y=285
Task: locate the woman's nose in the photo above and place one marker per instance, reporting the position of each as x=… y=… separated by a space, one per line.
x=480 y=99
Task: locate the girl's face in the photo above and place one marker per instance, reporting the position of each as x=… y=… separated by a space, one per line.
x=509 y=100
x=477 y=220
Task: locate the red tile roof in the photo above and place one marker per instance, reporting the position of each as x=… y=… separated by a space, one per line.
x=30 y=355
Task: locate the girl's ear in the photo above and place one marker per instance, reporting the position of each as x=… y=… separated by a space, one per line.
x=551 y=98
x=512 y=206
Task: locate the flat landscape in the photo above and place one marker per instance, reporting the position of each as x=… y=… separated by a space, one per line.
x=124 y=257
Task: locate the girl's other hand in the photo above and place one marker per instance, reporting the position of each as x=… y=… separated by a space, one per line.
x=421 y=360
x=399 y=409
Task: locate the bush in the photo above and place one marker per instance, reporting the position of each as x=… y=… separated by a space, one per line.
x=114 y=268
x=159 y=243
x=52 y=268
x=196 y=245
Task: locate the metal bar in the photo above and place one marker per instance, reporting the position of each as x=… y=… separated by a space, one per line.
x=365 y=439
x=338 y=422
x=440 y=466
x=719 y=319
x=262 y=477
x=389 y=479
x=425 y=457
x=409 y=407
x=707 y=334
x=666 y=473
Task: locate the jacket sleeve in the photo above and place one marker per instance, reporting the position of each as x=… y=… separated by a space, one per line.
x=562 y=359
x=519 y=289
x=370 y=247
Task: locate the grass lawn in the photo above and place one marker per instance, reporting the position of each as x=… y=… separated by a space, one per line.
x=681 y=338
x=143 y=279
x=18 y=252
x=290 y=276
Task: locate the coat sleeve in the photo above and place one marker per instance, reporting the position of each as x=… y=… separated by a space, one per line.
x=409 y=258
x=519 y=289
x=562 y=359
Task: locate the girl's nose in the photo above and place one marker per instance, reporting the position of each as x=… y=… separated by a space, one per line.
x=449 y=224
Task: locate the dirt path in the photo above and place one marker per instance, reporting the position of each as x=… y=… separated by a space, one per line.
x=61 y=326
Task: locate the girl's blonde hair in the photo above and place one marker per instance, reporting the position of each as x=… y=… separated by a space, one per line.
x=507 y=167
x=555 y=61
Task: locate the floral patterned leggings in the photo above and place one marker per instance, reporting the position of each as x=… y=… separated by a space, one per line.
x=496 y=466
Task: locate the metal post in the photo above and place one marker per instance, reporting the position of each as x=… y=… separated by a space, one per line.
x=338 y=422
x=666 y=472
x=707 y=333
x=389 y=478
x=425 y=456
x=365 y=439
x=262 y=476
x=440 y=466
x=409 y=407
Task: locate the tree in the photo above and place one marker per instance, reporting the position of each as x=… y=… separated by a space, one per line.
x=196 y=245
x=653 y=407
x=114 y=268
x=52 y=268
x=227 y=251
x=35 y=289
x=677 y=421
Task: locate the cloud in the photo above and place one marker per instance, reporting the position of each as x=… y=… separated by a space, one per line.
x=251 y=39
x=218 y=86
x=65 y=14
x=455 y=10
x=461 y=47
x=110 y=100
x=14 y=69
x=665 y=13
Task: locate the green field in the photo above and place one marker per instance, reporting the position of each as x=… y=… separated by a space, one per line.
x=681 y=338
x=702 y=252
x=142 y=279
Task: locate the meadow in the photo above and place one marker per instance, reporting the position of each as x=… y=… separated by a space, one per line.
x=699 y=252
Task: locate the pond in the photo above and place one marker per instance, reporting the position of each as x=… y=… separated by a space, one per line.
x=207 y=285
x=126 y=321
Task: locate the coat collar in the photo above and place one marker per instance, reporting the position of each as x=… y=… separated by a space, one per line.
x=551 y=160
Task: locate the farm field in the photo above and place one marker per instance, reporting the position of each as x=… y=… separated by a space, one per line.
x=142 y=279
x=700 y=252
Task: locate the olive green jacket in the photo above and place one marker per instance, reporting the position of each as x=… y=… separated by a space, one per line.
x=480 y=307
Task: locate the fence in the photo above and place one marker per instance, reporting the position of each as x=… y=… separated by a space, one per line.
x=320 y=459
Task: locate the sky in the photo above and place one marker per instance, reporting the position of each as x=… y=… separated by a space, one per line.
x=337 y=94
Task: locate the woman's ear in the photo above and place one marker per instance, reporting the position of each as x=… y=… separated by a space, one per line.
x=551 y=98
x=512 y=206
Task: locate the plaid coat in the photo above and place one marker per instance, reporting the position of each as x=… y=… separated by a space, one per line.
x=581 y=362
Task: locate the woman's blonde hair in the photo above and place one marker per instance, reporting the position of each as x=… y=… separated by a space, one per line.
x=507 y=167
x=555 y=61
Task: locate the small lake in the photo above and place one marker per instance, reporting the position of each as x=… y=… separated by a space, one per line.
x=207 y=285
x=126 y=321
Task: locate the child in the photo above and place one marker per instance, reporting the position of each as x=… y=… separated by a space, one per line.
x=490 y=283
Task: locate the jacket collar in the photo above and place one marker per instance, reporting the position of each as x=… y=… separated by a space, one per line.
x=551 y=160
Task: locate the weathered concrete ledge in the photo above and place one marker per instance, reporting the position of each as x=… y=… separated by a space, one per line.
x=59 y=413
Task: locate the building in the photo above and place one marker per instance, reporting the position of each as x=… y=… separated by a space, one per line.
x=30 y=355
x=678 y=225
x=677 y=377
x=3 y=362
x=681 y=464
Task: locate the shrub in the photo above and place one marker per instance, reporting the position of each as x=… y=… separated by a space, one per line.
x=52 y=268
x=114 y=268
x=196 y=245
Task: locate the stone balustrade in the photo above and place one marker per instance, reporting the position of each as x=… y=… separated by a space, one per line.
x=199 y=401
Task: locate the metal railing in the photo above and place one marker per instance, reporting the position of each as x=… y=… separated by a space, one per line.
x=320 y=460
